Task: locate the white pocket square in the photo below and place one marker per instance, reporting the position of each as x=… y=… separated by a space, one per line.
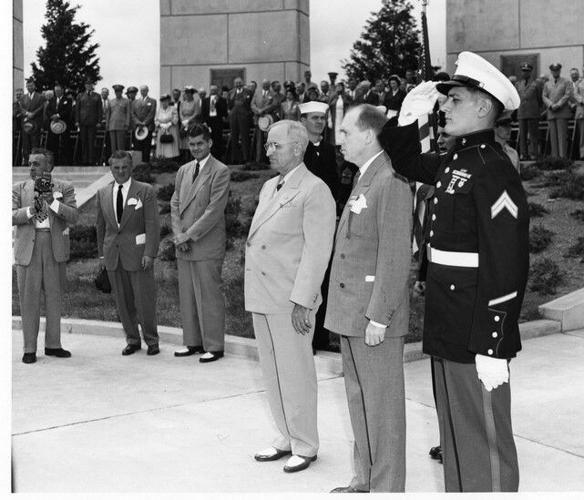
x=359 y=204
x=132 y=201
x=138 y=205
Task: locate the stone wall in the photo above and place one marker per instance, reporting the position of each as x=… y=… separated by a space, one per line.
x=264 y=38
x=17 y=46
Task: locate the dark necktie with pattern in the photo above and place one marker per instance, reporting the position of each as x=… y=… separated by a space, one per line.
x=42 y=212
x=196 y=172
x=119 y=204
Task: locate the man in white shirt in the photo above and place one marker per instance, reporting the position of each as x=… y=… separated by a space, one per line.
x=368 y=303
x=41 y=248
x=128 y=234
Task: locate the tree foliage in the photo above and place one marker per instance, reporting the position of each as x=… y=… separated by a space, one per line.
x=389 y=44
x=68 y=56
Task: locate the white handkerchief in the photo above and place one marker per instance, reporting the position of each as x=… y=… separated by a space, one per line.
x=141 y=239
x=369 y=278
x=138 y=205
x=359 y=204
x=132 y=201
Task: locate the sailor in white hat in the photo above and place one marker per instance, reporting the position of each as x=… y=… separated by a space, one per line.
x=320 y=158
x=478 y=257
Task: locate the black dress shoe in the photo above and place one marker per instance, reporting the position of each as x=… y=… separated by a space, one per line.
x=296 y=463
x=60 y=352
x=153 y=349
x=189 y=351
x=210 y=356
x=436 y=453
x=347 y=489
x=271 y=454
x=29 y=357
x=130 y=349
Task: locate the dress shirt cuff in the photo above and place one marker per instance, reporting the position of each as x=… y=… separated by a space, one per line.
x=378 y=325
x=28 y=213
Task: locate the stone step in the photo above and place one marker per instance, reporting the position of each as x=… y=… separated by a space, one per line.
x=568 y=310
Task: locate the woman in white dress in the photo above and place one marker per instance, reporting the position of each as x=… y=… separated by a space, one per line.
x=166 y=122
x=189 y=114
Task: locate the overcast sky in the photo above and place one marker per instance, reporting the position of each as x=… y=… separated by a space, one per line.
x=128 y=32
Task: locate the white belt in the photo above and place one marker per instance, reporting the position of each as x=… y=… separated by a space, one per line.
x=457 y=259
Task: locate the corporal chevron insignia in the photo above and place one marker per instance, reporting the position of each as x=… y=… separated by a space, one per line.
x=503 y=202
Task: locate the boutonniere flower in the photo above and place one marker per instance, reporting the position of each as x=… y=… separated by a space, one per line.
x=359 y=204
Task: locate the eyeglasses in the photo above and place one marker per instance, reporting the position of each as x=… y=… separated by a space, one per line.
x=276 y=145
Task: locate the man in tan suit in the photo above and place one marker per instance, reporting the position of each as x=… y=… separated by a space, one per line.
x=143 y=113
x=198 y=222
x=556 y=96
x=128 y=233
x=368 y=304
x=41 y=249
x=288 y=249
x=117 y=119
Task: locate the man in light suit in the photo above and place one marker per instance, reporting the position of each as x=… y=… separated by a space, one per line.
x=128 y=234
x=556 y=96
x=41 y=249
x=368 y=304
x=118 y=119
x=198 y=222
x=143 y=113
x=287 y=253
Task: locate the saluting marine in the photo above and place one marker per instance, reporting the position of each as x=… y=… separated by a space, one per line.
x=477 y=270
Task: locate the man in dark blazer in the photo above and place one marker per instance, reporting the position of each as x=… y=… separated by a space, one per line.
x=41 y=249
x=88 y=114
x=320 y=158
x=143 y=113
x=214 y=114
x=529 y=113
x=32 y=105
x=197 y=210
x=128 y=234
x=478 y=260
x=239 y=105
x=59 y=108
x=368 y=304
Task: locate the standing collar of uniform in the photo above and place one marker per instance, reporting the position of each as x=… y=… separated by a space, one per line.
x=475 y=139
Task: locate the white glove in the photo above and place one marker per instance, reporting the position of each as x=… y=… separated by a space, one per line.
x=492 y=372
x=418 y=102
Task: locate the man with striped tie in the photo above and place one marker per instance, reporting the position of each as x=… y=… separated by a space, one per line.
x=197 y=211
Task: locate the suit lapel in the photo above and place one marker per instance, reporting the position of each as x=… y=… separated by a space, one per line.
x=132 y=193
x=194 y=187
x=275 y=203
x=362 y=187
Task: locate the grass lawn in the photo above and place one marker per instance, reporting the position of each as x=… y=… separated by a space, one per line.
x=82 y=300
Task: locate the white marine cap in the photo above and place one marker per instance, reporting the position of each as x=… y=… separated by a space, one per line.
x=313 y=107
x=474 y=71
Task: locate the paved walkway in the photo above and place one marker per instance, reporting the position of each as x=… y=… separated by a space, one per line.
x=100 y=422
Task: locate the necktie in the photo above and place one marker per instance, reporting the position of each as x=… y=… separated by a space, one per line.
x=280 y=184
x=42 y=214
x=212 y=104
x=119 y=204
x=196 y=173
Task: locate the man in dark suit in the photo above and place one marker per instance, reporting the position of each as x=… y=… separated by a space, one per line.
x=128 y=234
x=320 y=159
x=88 y=115
x=214 y=114
x=368 y=304
x=41 y=249
x=59 y=108
x=529 y=112
x=197 y=211
x=32 y=104
x=239 y=105
x=143 y=113
x=106 y=150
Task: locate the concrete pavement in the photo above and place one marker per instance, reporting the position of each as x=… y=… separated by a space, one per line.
x=100 y=422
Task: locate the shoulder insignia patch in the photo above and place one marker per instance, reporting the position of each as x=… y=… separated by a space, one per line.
x=504 y=202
